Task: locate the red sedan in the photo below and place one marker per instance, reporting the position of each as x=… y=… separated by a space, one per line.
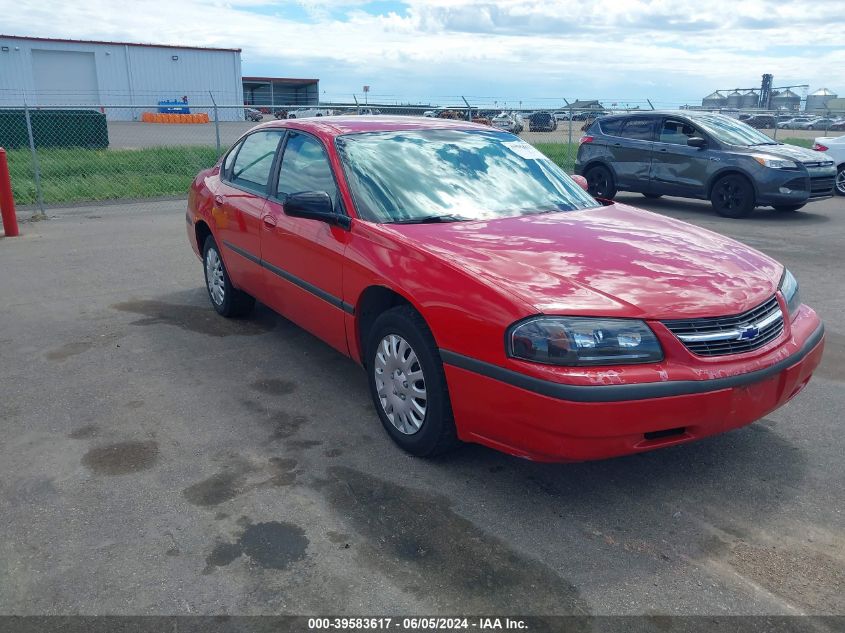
x=489 y=298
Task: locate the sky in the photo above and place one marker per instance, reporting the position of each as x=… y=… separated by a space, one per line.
x=504 y=51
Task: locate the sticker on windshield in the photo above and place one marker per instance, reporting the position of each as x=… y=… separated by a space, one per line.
x=525 y=150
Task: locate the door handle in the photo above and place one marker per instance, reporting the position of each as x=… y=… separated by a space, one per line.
x=269 y=221
x=218 y=199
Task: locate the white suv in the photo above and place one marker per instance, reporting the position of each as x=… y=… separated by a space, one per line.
x=834 y=146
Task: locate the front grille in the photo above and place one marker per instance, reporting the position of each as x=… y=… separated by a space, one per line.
x=821 y=185
x=717 y=336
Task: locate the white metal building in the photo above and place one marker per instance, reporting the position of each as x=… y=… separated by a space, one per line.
x=54 y=72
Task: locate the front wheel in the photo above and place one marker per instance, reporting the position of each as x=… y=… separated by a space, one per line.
x=840 y=180
x=408 y=384
x=788 y=208
x=600 y=182
x=732 y=196
x=226 y=299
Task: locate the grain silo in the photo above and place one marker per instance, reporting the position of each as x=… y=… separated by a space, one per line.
x=750 y=100
x=818 y=100
x=785 y=100
x=734 y=99
x=714 y=101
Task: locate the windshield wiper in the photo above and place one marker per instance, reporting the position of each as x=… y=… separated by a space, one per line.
x=767 y=143
x=431 y=219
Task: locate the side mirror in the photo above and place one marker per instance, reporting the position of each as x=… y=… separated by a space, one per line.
x=697 y=141
x=581 y=182
x=313 y=205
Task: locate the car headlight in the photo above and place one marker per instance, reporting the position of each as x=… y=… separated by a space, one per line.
x=789 y=289
x=583 y=341
x=774 y=162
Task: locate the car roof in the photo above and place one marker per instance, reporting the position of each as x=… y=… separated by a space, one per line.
x=337 y=125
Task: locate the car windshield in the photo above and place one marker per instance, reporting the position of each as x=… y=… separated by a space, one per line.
x=419 y=175
x=733 y=132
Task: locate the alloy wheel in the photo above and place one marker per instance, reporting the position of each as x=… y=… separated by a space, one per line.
x=840 y=182
x=730 y=195
x=400 y=384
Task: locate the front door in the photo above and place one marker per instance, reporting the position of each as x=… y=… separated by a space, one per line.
x=303 y=258
x=676 y=168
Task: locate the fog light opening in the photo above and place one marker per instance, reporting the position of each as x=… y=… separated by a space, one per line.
x=659 y=435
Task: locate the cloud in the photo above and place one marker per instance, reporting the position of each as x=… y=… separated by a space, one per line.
x=670 y=50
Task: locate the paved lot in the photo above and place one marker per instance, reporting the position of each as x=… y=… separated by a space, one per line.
x=157 y=459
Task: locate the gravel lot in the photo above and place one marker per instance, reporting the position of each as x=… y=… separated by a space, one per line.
x=125 y=135
x=157 y=459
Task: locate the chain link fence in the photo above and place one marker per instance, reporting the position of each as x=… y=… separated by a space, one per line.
x=76 y=155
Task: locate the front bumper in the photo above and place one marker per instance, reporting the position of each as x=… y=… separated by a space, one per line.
x=533 y=419
x=795 y=187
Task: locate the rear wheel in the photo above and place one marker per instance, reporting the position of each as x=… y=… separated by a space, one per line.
x=226 y=299
x=840 y=180
x=408 y=384
x=788 y=208
x=600 y=182
x=732 y=196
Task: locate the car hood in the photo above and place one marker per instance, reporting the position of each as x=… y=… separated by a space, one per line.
x=792 y=152
x=610 y=261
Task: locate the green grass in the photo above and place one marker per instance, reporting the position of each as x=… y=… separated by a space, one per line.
x=800 y=142
x=78 y=174
x=561 y=153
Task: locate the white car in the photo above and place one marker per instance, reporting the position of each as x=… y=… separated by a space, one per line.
x=509 y=122
x=834 y=146
x=304 y=113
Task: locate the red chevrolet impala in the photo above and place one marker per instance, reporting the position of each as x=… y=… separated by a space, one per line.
x=489 y=298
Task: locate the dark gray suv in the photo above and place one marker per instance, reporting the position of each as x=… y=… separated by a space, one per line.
x=700 y=155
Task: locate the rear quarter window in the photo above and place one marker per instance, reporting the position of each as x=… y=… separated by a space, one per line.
x=612 y=127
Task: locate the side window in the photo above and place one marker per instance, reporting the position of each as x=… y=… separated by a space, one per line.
x=640 y=129
x=612 y=127
x=305 y=167
x=676 y=132
x=254 y=160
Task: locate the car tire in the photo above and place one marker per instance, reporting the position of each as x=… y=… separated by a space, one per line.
x=732 y=196
x=787 y=208
x=653 y=196
x=600 y=182
x=401 y=346
x=839 y=188
x=227 y=300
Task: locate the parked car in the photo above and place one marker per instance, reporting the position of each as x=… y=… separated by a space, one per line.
x=815 y=123
x=509 y=121
x=761 y=121
x=838 y=125
x=792 y=123
x=542 y=122
x=303 y=113
x=492 y=301
x=251 y=114
x=561 y=115
x=834 y=146
x=700 y=155
x=588 y=115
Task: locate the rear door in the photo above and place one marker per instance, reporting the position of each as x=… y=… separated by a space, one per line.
x=630 y=150
x=676 y=168
x=238 y=206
